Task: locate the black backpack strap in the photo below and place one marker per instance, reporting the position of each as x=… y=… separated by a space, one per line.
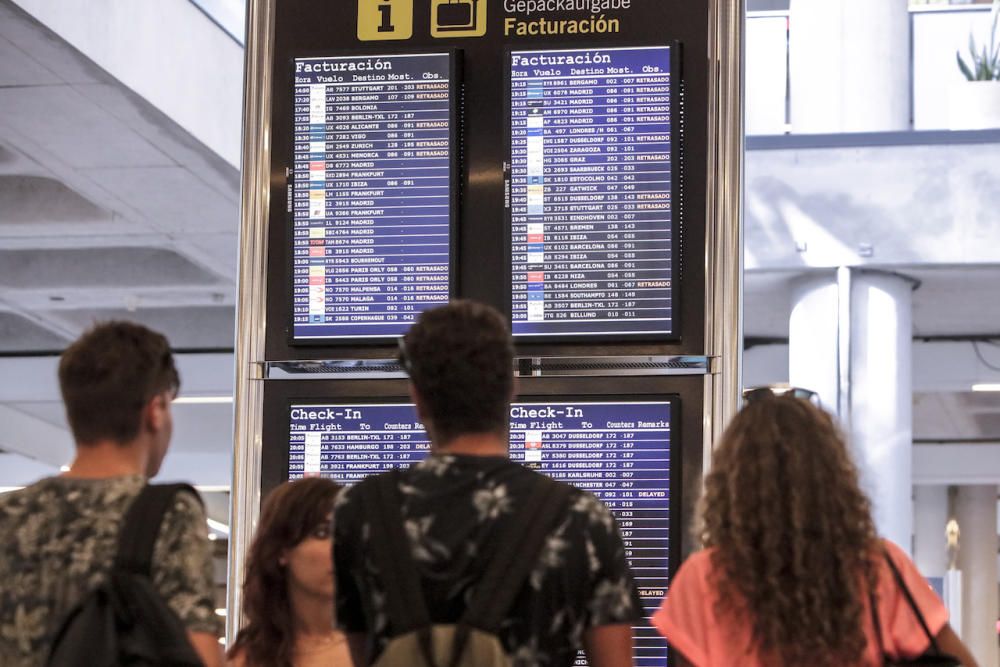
x=405 y=604
x=141 y=526
x=518 y=550
x=909 y=599
x=877 y=624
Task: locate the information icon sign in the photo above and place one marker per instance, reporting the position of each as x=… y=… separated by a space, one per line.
x=382 y=20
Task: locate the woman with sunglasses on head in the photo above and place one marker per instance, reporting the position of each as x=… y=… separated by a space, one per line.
x=792 y=562
x=288 y=593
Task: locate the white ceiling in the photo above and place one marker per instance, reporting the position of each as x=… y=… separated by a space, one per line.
x=107 y=207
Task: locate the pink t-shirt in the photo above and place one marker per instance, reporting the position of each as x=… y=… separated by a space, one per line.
x=688 y=620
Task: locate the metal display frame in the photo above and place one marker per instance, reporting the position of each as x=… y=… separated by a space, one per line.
x=707 y=365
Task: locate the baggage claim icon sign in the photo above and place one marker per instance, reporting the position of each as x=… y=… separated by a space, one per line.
x=458 y=18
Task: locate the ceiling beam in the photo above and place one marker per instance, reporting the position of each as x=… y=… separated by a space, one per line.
x=956 y=464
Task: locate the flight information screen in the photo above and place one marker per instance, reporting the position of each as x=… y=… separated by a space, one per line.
x=591 y=190
x=371 y=194
x=620 y=451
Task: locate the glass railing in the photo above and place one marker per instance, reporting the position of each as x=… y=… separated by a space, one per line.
x=938 y=31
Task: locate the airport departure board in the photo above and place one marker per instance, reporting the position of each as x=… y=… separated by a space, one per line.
x=592 y=180
x=618 y=450
x=372 y=204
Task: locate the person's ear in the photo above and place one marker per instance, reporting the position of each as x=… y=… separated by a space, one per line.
x=156 y=412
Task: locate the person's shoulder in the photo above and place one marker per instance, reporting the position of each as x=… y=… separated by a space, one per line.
x=187 y=503
x=898 y=560
x=893 y=550
x=589 y=508
x=236 y=658
x=695 y=576
x=348 y=501
x=698 y=562
x=185 y=514
x=32 y=499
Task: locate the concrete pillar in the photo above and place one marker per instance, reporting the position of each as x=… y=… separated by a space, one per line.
x=976 y=512
x=812 y=338
x=930 y=516
x=849 y=65
x=881 y=397
x=850 y=340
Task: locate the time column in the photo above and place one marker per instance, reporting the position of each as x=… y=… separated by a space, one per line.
x=309 y=203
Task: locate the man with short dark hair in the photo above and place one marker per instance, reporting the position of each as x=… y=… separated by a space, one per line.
x=580 y=592
x=58 y=536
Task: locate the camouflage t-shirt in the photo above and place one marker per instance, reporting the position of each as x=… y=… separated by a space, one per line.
x=58 y=539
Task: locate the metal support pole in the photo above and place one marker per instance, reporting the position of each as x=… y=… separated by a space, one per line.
x=724 y=237
x=250 y=319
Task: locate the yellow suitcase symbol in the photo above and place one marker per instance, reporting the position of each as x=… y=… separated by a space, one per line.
x=458 y=18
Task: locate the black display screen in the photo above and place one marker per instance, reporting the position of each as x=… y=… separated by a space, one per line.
x=372 y=204
x=618 y=450
x=592 y=184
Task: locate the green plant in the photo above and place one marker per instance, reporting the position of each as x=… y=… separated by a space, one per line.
x=985 y=63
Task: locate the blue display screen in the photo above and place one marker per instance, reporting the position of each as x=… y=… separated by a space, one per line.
x=620 y=451
x=371 y=195
x=591 y=192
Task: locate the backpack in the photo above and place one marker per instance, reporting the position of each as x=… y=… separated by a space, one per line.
x=473 y=640
x=124 y=621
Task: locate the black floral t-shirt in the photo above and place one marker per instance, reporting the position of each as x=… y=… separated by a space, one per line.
x=452 y=506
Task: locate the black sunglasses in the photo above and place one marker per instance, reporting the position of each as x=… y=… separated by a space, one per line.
x=756 y=394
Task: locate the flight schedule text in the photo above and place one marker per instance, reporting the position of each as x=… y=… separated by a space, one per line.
x=371 y=193
x=619 y=451
x=591 y=192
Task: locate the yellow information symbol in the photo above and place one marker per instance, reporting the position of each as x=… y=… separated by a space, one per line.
x=458 y=18
x=380 y=20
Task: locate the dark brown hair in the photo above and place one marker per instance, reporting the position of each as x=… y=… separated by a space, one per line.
x=461 y=361
x=792 y=534
x=109 y=375
x=290 y=513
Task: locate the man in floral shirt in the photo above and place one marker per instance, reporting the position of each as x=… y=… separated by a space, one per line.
x=580 y=594
x=58 y=537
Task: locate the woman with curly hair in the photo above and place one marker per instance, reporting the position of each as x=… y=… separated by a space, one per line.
x=288 y=592
x=792 y=560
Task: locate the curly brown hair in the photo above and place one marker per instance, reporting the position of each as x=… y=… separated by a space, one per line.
x=792 y=534
x=289 y=515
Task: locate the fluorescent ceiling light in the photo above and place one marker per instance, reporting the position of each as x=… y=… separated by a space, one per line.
x=202 y=400
x=218 y=526
x=986 y=386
